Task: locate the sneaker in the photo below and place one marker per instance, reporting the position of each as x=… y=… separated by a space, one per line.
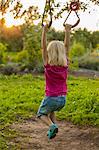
x=53 y=129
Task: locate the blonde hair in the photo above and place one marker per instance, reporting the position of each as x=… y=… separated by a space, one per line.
x=56 y=53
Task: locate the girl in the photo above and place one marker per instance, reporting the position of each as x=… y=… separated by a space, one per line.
x=56 y=67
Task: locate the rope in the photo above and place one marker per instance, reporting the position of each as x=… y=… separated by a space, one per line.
x=50 y=13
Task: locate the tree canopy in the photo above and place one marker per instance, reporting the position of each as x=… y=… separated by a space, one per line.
x=32 y=13
x=95 y=1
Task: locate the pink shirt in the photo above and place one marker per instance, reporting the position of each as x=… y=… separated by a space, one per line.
x=55 y=80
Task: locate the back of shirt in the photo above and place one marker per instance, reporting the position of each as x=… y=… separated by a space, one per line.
x=55 y=80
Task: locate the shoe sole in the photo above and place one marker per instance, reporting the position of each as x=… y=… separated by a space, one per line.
x=52 y=136
x=56 y=130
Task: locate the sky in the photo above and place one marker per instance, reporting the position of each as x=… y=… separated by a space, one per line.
x=89 y=21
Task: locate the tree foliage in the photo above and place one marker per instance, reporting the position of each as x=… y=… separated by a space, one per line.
x=15 y=7
x=88 y=39
x=32 y=13
x=55 y=35
x=28 y=37
x=12 y=36
x=83 y=37
x=77 y=50
x=95 y=39
x=31 y=43
x=3 y=48
x=95 y=2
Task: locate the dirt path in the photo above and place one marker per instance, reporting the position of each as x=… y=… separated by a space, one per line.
x=32 y=136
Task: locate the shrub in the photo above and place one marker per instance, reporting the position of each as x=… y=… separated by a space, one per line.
x=39 y=68
x=9 y=69
x=10 y=57
x=29 y=58
x=3 y=48
x=77 y=50
x=95 y=51
x=90 y=62
x=74 y=64
x=22 y=56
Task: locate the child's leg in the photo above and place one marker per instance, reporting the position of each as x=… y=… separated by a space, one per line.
x=52 y=117
x=53 y=129
x=49 y=121
x=45 y=119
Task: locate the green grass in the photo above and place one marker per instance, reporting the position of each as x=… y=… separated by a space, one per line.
x=82 y=102
x=20 y=97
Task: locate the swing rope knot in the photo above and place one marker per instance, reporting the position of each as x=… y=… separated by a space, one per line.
x=75 y=5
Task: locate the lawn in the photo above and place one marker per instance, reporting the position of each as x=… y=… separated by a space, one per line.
x=20 y=97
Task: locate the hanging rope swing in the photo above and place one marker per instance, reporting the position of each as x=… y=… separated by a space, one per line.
x=74 y=6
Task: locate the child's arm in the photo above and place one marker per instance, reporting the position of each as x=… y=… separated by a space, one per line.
x=44 y=45
x=67 y=38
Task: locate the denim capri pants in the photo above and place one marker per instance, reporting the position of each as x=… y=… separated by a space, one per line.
x=50 y=104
